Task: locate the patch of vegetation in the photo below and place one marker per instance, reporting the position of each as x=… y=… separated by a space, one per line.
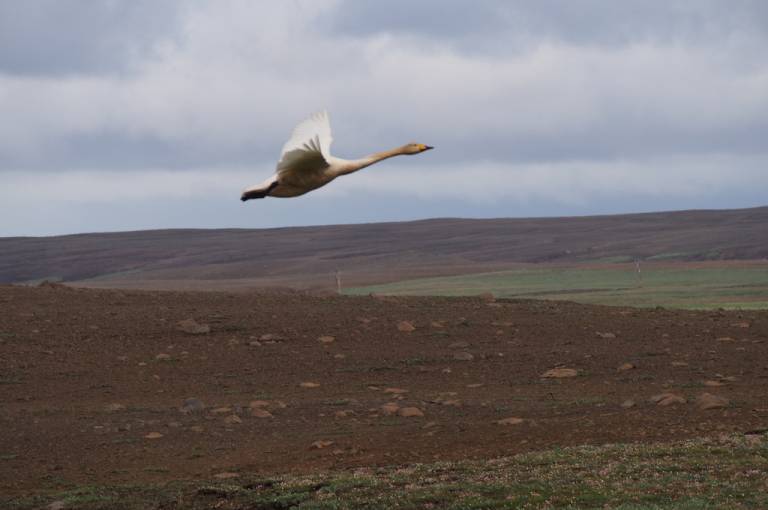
x=728 y=472
x=669 y=285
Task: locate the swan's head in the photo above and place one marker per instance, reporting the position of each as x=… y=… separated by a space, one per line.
x=415 y=148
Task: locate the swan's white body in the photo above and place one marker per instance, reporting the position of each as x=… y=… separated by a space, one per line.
x=306 y=162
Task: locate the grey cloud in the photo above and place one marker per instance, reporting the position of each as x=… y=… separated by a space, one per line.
x=492 y=26
x=53 y=37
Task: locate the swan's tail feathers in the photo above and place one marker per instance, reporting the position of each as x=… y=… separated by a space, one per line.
x=260 y=191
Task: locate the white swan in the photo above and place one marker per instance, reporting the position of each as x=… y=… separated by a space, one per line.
x=306 y=162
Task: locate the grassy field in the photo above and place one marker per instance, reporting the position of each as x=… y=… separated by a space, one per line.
x=680 y=285
x=726 y=472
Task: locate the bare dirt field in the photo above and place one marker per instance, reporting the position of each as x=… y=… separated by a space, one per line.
x=106 y=386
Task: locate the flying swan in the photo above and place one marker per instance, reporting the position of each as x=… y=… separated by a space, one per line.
x=306 y=162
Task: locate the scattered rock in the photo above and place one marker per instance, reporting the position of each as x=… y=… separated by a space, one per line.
x=192 y=405
x=271 y=338
x=708 y=401
x=114 y=408
x=260 y=413
x=606 y=335
x=713 y=384
x=559 y=373
x=339 y=356
x=390 y=408
x=410 y=412
x=679 y=364
x=725 y=339
x=153 y=435
x=667 y=399
x=510 y=421
x=221 y=410
x=320 y=444
x=163 y=357
x=326 y=339
x=309 y=385
x=463 y=356
x=628 y=403
x=437 y=324
x=233 y=419
x=395 y=391
x=624 y=367
x=192 y=327
x=57 y=505
x=458 y=345
x=741 y=324
x=197 y=428
x=405 y=326
x=475 y=385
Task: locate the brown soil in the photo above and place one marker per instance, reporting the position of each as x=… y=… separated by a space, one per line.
x=67 y=355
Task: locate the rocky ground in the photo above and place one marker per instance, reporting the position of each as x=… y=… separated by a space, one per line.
x=103 y=386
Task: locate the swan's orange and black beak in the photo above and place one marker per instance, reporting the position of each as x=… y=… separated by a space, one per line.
x=428 y=147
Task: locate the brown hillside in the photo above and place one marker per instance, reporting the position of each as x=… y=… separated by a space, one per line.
x=383 y=251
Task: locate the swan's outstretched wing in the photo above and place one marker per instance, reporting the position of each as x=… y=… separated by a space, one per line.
x=309 y=147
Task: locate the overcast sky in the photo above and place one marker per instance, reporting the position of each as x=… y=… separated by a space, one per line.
x=136 y=114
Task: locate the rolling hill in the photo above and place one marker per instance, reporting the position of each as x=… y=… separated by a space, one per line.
x=380 y=252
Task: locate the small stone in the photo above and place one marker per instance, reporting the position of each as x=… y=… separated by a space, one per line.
x=667 y=399
x=226 y=475
x=463 y=356
x=458 y=345
x=233 y=419
x=741 y=324
x=679 y=364
x=342 y=414
x=320 y=444
x=405 y=326
x=624 y=367
x=606 y=335
x=114 y=408
x=309 y=385
x=197 y=428
x=258 y=403
x=163 y=357
x=725 y=339
x=410 y=412
x=326 y=339
x=628 y=403
x=475 y=385
x=339 y=356
x=437 y=324
x=708 y=401
x=390 y=408
x=192 y=405
x=221 y=410
x=57 y=505
x=153 y=435
x=395 y=391
x=271 y=338
x=510 y=421
x=261 y=413
x=559 y=373
x=713 y=384
x=192 y=327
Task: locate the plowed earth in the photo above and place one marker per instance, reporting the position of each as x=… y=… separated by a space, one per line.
x=89 y=377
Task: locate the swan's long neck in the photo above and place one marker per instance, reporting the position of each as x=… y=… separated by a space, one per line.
x=357 y=164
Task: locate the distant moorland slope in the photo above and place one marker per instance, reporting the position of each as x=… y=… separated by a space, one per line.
x=370 y=253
